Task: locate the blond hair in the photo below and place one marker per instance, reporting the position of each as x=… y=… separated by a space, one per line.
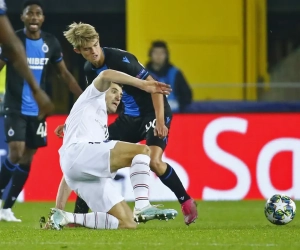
x=79 y=34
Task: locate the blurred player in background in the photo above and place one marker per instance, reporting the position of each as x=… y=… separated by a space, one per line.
x=145 y=116
x=24 y=131
x=14 y=49
x=89 y=161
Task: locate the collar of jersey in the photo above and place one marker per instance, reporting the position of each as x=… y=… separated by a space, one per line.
x=30 y=38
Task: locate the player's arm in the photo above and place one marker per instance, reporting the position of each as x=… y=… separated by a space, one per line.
x=106 y=77
x=67 y=77
x=135 y=68
x=60 y=66
x=158 y=103
x=63 y=194
x=14 y=51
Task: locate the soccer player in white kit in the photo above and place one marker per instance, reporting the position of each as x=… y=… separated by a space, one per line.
x=89 y=161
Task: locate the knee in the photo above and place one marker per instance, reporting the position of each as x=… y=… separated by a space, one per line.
x=15 y=155
x=157 y=166
x=145 y=150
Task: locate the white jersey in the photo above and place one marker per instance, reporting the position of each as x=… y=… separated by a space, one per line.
x=87 y=121
x=2 y=7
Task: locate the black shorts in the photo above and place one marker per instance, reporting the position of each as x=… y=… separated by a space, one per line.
x=25 y=128
x=135 y=129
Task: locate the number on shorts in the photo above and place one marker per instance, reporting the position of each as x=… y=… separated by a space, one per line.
x=42 y=129
x=150 y=124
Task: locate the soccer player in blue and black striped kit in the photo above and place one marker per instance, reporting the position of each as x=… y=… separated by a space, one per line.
x=25 y=133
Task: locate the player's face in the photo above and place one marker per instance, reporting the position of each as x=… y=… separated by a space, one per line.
x=33 y=18
x=159 y=56
x=91 y=51
x=113 y=97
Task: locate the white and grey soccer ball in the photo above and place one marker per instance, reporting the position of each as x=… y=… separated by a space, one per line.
x=280 y=209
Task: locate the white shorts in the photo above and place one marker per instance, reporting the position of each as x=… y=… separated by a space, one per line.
x=100 y=195
x=86 y=167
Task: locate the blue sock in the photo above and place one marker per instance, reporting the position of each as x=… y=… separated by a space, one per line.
x=19 y=178
x=7 y=169
x=172 y=181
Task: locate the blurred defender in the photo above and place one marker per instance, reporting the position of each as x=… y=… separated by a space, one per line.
x=146 y=116
x=24 y=131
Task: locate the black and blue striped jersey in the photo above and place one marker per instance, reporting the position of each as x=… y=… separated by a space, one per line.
x=40 y=53
x=136 y=102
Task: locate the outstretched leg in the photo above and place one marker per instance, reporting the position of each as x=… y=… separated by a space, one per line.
x=118 y=217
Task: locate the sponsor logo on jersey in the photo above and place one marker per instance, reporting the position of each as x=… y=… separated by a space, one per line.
x=37 y=63
x=125 y=59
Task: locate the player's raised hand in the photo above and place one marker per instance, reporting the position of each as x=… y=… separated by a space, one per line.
x=46 y=107
x=156 y=87
x=59 y=131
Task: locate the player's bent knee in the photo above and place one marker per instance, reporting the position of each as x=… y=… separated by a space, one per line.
x=145 y=150
x=14 y=158
x=16 y=152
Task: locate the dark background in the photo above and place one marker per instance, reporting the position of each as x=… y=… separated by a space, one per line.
x=108 y=16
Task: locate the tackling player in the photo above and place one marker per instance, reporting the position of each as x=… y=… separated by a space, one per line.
x=24 y=131
x=146 y=116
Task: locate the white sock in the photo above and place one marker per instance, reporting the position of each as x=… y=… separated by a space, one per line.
x=140 y=180
x=96 y=220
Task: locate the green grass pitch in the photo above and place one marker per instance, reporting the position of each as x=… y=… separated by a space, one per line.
x=222 y=225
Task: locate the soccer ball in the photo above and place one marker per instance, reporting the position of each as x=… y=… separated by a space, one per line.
x=280 y=209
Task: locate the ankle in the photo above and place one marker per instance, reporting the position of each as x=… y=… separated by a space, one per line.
x=140 y=205
x=69 y=217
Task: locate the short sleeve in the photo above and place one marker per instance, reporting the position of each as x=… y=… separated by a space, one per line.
x=57 y=55
x=131 y=66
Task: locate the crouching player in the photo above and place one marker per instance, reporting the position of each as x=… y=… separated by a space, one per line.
x=89 y=161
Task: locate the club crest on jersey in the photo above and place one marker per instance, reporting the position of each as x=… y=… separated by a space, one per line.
x=11 y=132
x=45 y=48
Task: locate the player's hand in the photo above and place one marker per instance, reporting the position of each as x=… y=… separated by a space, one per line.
x=160 y=130
x=156 y=87
x=59 y=131
x=46 y=107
